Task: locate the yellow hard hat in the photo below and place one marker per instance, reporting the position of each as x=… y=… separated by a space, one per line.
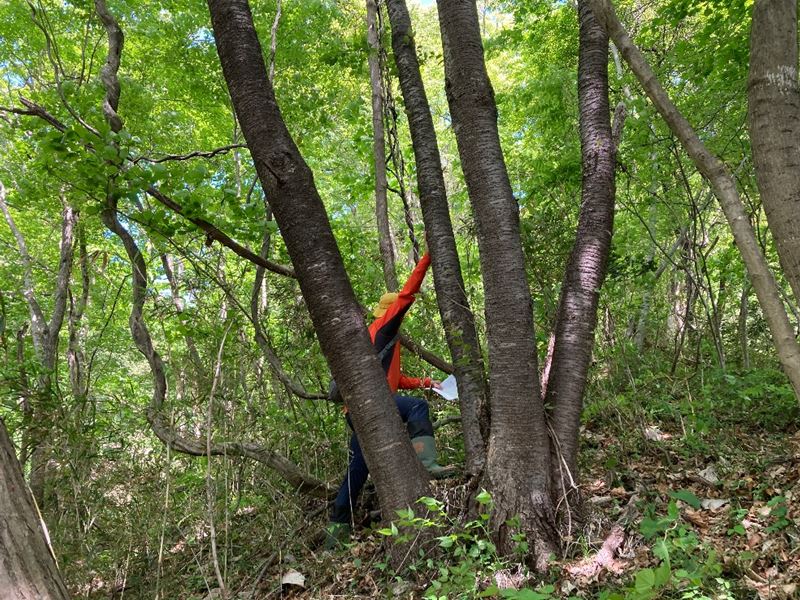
x=385 y=302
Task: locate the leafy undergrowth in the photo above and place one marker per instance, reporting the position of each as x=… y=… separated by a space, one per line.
x=691 y=491
x=696 y=497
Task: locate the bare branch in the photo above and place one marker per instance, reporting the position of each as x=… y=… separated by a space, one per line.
x=158 y=422
x=139 y=331
x=273 y=46
x=70 y=217
x=39 y=17
x=426 y=355
x=193 y=154
x=262 y=340
x=212 y=232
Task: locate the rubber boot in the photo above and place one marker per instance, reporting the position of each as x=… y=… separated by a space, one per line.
x=425 y=447
x=336 y=534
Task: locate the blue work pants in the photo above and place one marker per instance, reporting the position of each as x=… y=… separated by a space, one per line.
x=414 y=412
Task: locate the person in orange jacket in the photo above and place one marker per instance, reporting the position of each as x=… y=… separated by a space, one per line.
x=384 y=330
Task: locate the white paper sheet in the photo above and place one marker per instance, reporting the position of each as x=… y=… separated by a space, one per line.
x=449 y=390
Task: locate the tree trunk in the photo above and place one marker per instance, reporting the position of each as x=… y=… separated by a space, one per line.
x=76 y=357
x=457 y=317
x=724 y=187
x=586 y=269
x=774 y=116
x=45 y=336
x=744 y=346
x=28 y=570
x=379 y=148
x=289 y=187
x=518 y=462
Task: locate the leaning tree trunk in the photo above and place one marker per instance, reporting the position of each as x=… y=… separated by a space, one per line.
x=586 y=269
x=379 y=148
x=289 y=187
x=774 y=115
x=457 y=317
x=28 y=570
x=724 y=187
x=518 y=462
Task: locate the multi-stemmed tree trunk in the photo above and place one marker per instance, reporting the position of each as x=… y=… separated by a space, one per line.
x=28 y=570
x=289 y=187
x=518 y=462
x=774 y=115
x=724 y=188
x=587 y=265
x=457 y=317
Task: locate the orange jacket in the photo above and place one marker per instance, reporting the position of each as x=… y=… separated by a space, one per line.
x=384 y=329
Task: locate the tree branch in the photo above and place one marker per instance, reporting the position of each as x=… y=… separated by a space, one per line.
x=193 y=154
x=212 y=231
x=143 y=341
x=39 y=328
x=108 y=73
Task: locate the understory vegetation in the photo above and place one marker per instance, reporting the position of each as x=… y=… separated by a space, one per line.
x=165 y=356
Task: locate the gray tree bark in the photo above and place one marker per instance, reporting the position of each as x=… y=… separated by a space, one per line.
x=457 y=317
x=774 y=118
x=379 y=148
x=45 y=334
x=587 y=265
x=289 y=187
x=518 y=461
x=724 y=188
x=28 y=570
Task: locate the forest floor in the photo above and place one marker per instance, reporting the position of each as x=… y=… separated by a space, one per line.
x=689 y=498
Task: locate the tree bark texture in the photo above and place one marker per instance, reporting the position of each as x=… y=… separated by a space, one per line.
x=28 y=570
x=774 y=116
x=457 y=317
x=724 y=187
x=289 y=187
x=518 y=461
x=379 y=148
x=587 y=265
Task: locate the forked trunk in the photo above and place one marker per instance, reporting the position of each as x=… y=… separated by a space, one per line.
x=518 y=461
x=586 y=269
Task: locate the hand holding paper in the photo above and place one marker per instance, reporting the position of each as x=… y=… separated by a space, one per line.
x=447 y=389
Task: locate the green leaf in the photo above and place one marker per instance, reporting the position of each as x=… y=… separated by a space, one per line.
x=687 y=497
x=662 y=575
x=484 y=497
x=645 y=580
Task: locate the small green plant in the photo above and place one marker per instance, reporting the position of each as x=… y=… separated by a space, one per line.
x=737 y=528
x=778 y=513
x=468 y=559
x=687 y=566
